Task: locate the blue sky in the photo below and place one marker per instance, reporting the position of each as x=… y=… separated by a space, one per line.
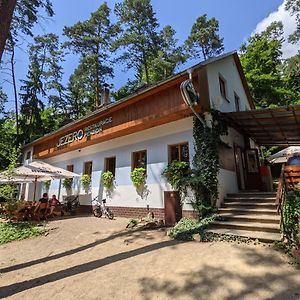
x=238 y=19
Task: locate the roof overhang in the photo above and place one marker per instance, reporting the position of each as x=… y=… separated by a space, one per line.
x=269 y=127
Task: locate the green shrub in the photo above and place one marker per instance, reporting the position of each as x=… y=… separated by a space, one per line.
x=138 y=177
x=107 y=179
x=85 y=181
x=176 y=174
x=67 y=183
x=46 y=185
x=16 y=231
x=186 y=228
x=291 y=217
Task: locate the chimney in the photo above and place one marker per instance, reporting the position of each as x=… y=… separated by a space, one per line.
x=105 y=98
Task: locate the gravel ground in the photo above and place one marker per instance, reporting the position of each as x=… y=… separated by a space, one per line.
x=89 y=258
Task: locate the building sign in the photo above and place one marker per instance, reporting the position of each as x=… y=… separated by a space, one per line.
x=81 y=133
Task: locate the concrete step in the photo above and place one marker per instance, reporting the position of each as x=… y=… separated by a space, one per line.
x=243 y=210
x=244 y=217
x=250 y=205
x=250 y=199
x=247 y=194
x=250 y=226
x=266 y=237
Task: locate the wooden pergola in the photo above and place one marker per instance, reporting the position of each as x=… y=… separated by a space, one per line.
x=270 y=126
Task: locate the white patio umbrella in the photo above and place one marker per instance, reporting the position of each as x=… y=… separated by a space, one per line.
x=34 y=172
x=283 y=155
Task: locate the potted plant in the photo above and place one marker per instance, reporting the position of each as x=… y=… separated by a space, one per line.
x=85 y=181
x=138 y=177
x=67 y=184
x=176 y=173
x=107 y=179
x=46 y=185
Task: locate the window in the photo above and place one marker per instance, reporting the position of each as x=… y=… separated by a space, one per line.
x=223 y=87
x=237 y=102
x=88 y=165
x=70 y=168
x=110 y=165
x=179 y=152
x=28 y=155
x=139 y=159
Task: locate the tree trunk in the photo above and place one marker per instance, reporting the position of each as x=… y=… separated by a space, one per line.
x=6 y=13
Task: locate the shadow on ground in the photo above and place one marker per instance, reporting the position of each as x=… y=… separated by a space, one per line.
x=213 y=282
x=15 y=288
x=131 y=236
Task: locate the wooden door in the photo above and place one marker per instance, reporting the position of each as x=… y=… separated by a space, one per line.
x=240 y=168
x=253 y=180
x=173 y=209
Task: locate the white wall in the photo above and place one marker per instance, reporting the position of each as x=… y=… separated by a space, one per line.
x=228 y=70
x=154 y=140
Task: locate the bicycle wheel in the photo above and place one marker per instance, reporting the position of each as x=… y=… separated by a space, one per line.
x=97 y=213
x=110 y=214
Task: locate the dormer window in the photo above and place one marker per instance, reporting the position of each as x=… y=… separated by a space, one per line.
x=223 y=90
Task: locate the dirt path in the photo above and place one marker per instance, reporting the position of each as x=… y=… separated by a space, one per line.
x=88 y=258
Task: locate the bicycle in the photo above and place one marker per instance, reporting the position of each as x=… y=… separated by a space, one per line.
x=100 y=209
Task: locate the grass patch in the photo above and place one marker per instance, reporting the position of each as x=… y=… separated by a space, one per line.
x=185 y=229
x=10 y=231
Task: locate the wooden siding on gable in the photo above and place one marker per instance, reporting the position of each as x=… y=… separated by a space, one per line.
x=160 y=106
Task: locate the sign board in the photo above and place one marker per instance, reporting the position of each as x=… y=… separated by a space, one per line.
x=85 y=132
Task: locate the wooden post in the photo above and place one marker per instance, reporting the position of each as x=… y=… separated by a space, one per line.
x=34 y=192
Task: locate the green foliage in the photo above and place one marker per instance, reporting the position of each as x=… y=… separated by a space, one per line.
x=67 y=183
x=8 y=140
x=92 y=40
x=185 y=229
x=46 y=184
x=43 y=81
x=85 y=181
x=8 y=192
x=204 y=40
x=291 y=217
x=138 y=177
x=132 y=222
x=177 y=173
x=17 y=231
x=107 y=179
x=204 y=177
x=293 y=6
x=138 y=36
x=270 y=79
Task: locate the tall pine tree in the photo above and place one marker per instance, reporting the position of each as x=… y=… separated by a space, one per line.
x=92 y=39
x=204 y=40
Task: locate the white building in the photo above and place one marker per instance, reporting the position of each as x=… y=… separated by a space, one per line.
x=154 y=125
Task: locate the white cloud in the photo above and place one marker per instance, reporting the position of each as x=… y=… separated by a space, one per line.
x=289 y=26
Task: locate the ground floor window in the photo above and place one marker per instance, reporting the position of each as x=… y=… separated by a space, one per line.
x=110 y=164
x=139 y=159
x=88 y=166
x=179 y=152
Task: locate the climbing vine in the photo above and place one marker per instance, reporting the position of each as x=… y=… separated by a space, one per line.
x=204 y=178
x=291 y=217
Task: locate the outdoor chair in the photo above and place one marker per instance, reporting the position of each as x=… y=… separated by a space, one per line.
x=41 y=210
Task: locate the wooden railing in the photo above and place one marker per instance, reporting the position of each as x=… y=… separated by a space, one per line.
x=280 y=190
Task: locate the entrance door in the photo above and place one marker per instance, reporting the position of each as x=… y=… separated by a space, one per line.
x=173 y=209
x=253 y=180
x=240 y=167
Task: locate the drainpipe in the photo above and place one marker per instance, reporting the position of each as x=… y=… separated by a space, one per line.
x=190 y=96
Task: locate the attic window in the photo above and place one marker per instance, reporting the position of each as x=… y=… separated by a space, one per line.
x=223 y=91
